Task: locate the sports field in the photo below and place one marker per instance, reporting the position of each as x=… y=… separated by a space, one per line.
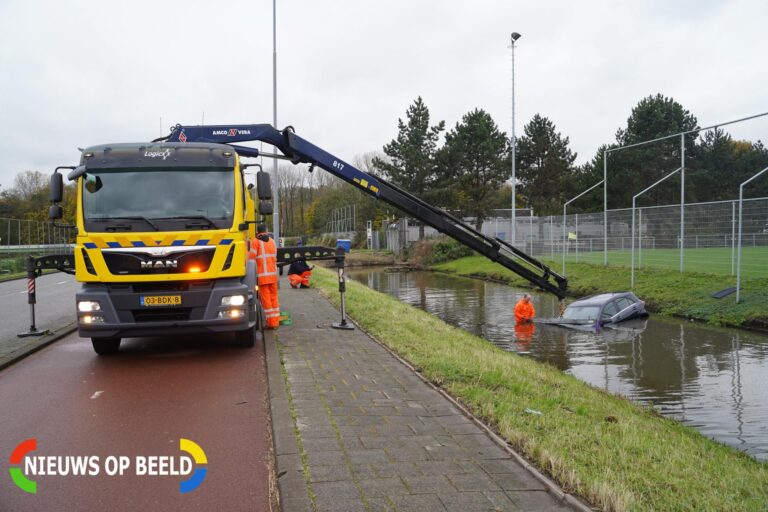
x=714 y=260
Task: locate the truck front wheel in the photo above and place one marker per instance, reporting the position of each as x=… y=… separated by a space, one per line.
x=105 y=346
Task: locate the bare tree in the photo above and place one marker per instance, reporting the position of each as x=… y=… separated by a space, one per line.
x=29 y=183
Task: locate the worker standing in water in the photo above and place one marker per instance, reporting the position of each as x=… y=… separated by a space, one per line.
x=264 y=252
x=524 y=311
x=524 y=327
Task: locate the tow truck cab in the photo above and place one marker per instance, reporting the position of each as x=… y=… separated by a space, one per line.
x=162 y=238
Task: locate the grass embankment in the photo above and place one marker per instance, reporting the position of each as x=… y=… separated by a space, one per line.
x=667 y=292
x=596 y=445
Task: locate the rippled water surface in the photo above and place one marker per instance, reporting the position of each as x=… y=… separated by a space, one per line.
x=715 y=380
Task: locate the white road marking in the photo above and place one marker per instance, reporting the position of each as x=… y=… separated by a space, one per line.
x=62 y=282
x=96 y=395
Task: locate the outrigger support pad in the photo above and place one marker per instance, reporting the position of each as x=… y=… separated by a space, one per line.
x=342 y=289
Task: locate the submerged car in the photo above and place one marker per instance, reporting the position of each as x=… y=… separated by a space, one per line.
x=603 y=309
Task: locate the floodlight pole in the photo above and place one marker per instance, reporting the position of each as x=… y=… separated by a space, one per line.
x=275 y=183
x=632 y=234
x=738 y=257
x=513 y=37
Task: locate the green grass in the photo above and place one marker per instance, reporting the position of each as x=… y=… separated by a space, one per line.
x=712 y=260
x=599 y=446
x=667 y=292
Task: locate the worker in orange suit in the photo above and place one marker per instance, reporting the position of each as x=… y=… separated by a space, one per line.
x=299 y=273
x=264 y=252
x=524 y=311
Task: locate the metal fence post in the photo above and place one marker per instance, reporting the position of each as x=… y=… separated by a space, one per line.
x=634 y=199
x=577 y=238
x=733 y=237
x=605 y=208
x=640 y=238
x=741 y=204
x=682 y=200
x=530 y=230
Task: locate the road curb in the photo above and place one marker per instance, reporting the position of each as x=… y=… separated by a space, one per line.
x=292 y=488
x=37 y=344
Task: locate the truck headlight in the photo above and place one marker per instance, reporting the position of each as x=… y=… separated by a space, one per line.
x=85 y=306
x=233 y=300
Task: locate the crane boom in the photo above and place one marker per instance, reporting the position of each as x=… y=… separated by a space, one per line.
x=299 y=150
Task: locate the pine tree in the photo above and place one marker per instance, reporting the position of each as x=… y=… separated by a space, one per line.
x=476 y=158
x=545 y=166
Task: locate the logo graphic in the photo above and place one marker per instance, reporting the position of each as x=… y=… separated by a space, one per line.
x=17 y=475
x=232 y=132
x=24 y=465
x=158 y=154
x=182 y=136
x=197 y=453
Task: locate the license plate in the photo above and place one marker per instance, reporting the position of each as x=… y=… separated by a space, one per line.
x=160 y=300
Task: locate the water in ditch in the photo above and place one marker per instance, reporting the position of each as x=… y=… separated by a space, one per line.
x=712 y=379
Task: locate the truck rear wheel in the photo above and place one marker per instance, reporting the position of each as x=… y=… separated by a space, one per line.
x=246 y=338
x=106 y=346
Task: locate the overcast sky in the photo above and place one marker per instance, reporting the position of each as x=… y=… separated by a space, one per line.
x=76 y=73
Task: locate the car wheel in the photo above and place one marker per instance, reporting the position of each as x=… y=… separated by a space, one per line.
x=106 y=346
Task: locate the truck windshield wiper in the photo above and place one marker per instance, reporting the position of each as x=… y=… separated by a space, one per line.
x=131 y=217
x=183 y=217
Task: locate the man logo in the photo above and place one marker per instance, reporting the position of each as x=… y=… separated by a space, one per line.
x=159 y=264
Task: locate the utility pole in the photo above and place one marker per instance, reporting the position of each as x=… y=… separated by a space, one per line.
x=275 y=187
x=514 y=37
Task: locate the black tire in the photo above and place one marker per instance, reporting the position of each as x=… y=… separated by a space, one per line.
x=106 y=346
x=246 y=338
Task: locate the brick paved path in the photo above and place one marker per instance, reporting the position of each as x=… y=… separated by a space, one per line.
x=372 y=435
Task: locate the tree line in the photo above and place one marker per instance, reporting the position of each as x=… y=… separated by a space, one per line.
x=466 y=169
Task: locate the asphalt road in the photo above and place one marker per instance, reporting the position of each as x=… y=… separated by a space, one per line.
x=55 y=303
x=139 y=403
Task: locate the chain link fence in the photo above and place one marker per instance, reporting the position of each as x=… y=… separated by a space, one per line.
x=710 y=239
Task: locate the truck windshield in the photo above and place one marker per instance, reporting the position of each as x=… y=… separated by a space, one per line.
x=158 y=199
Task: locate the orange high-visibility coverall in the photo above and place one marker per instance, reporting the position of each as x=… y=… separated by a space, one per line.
x=264 y=251
x=299 y=273
x=524 y=311
x=300 y=279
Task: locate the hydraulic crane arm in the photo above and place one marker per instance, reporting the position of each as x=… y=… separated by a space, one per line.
x=299 y=150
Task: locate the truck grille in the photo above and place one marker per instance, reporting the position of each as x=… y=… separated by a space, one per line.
x=141 y=263
x=161 y=315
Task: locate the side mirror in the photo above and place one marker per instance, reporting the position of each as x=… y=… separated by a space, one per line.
x=265 y=208
x=264 y=186
x=55 y=212
x=57 y=187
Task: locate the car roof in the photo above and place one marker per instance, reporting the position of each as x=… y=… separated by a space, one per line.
x=598 y=300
